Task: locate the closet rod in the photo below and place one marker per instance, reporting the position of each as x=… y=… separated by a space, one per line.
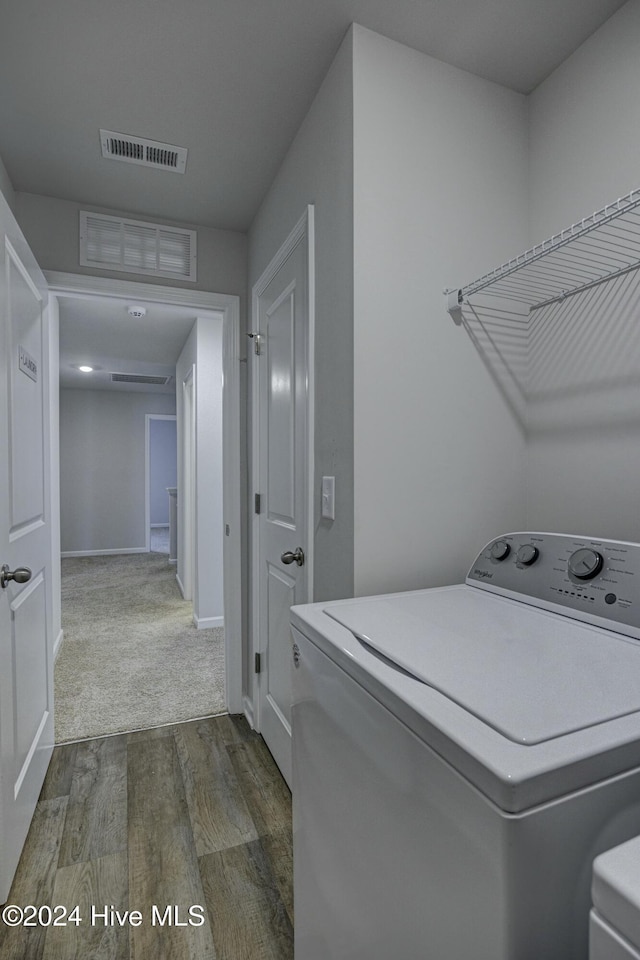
x=586 y=286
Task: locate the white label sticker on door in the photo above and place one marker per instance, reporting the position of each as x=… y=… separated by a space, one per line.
x=27 y=364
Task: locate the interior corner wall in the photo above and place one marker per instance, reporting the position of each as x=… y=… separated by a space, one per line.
x=584 y=123
x=584 y=150
x=102 y=468
x=440 y=189
x=203 y=349
x=318 y=169
x=6 y=187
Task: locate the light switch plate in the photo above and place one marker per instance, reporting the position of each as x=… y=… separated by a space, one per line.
x=328 y=498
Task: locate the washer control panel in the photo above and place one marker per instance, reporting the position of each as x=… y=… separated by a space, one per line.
x=585 y=578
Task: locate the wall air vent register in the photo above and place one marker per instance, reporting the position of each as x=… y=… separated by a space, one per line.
x=140 y=378
x=136 y=246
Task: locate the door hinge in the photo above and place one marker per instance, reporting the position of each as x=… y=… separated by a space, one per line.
x=257 y=505
x=257 y=339
x=257 y=663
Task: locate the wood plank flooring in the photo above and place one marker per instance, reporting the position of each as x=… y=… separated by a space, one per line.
x=195 y=816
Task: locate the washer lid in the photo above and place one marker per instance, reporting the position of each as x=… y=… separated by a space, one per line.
x=529 y=674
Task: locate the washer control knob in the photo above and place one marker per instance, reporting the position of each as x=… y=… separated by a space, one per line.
x=500 y=550
x=527 y=554
x=585 y=564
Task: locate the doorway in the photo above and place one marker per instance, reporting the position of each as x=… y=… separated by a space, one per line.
x=161 y=481
x=227 y=311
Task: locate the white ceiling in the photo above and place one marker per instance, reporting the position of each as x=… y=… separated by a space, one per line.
x=100 y=333
x=229 y=79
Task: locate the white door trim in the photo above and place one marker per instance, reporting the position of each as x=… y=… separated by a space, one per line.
x=305 y=227
x=148 y=417
x=186 y=517
x=77 y=285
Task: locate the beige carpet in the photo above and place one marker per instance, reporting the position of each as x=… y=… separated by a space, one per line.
x=131 y=656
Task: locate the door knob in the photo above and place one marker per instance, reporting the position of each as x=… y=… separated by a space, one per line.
x=289 y=556
x=20 y=575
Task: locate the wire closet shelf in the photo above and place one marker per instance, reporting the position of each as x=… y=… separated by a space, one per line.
x=562 y=318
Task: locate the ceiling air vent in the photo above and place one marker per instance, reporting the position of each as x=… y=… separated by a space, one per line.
x=140 y=378
x=148 y=153
x=135 y=246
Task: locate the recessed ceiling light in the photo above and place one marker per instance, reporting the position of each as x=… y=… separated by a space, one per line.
x=85 y=369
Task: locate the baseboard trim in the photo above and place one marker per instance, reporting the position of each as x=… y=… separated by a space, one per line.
x=57 y=644
x=180 y=585
x=101 y=553
x=205 y=623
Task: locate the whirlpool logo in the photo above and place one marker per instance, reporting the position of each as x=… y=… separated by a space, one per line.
x=483 y=574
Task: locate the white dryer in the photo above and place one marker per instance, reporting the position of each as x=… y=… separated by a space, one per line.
x=461 y=755
x=614 y=924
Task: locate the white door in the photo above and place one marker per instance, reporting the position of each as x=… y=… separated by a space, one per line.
x=26 y=644
x=282 y=569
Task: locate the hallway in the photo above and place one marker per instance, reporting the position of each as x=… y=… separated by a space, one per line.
x=131 y=657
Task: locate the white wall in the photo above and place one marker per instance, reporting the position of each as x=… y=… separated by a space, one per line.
x=440 y=189
x=163 y=469
x=318 y=169
x=204 y=349
x=584 y=152
x=102 y=468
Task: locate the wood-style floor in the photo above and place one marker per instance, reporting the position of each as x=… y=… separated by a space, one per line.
x=193 y=815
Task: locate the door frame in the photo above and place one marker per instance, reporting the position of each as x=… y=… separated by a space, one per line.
x=188 y=460
x=304 y=229
x=148 y=417
x=228 y=306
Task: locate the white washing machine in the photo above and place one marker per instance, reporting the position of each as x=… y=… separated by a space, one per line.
x=461 y=755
